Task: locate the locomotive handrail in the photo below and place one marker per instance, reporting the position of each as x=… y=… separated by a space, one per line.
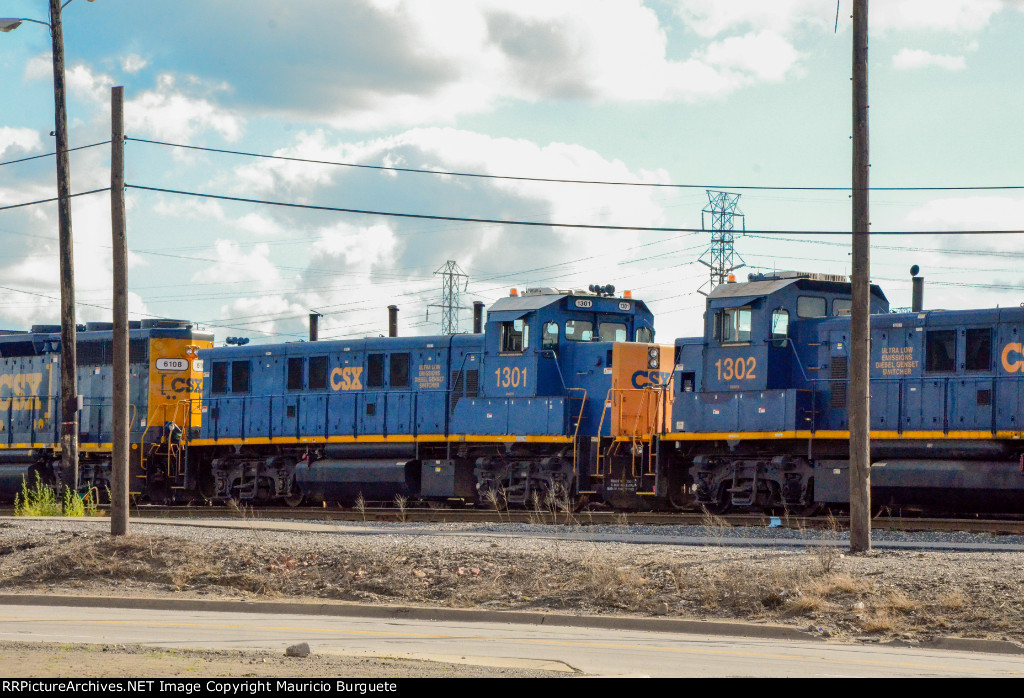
x=796 y=356
x=576 y=431
x=553 y=355
x=658 y=417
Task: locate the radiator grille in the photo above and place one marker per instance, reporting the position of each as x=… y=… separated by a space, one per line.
x=464 y=384
x=839 y=374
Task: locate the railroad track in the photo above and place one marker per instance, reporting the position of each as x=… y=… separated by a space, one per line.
x=997 y=526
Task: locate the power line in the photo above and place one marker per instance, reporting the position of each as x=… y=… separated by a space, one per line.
x=50 y=155
x=479 y=175
x=587 y=226
x=47 y=201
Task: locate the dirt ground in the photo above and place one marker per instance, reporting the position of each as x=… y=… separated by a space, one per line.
x=883 y=596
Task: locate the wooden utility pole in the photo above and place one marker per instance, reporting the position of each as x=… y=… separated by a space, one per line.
x=68 y=328
x=860 y=320
x=119 y=466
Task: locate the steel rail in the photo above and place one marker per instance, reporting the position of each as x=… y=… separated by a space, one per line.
x=1010 y=525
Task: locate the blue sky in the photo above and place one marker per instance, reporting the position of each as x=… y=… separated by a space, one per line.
x=699 y=92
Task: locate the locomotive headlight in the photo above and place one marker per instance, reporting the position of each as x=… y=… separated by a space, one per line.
x=653 y=357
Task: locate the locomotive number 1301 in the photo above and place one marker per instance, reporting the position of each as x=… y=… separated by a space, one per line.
x=510 y=377
x=740 y=368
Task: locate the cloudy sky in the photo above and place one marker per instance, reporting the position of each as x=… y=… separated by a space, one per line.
x=703 y=93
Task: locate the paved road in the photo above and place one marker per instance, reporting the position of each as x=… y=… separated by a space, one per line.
x=587 y=650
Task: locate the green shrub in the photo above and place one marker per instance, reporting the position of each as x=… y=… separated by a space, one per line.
x=41 y=500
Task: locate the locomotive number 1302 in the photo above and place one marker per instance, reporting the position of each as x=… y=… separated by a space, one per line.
x=740 y=368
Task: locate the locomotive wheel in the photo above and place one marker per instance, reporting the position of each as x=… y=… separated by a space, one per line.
x=807 y=510
x=722 y=503
x=295 y=498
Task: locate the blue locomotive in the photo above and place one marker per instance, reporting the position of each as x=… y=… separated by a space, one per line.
x=533 y=404
x=759 y=414
x=164 y=383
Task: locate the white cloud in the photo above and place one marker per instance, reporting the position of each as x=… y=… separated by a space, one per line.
x=133 y=63
x=23 y=139
x=763 y=56
x=398 y=63
x=353 y=246
x=80 y=79
x=910 y=59
x=358 y=265
x=711 y=18
x=969 y=213
x=960 y=16
x=170 y=112
x=235 y=265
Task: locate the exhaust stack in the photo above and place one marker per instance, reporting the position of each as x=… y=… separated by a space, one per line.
x=314 y=326
x=917 y=299
x=478 y=317
x=392 y=321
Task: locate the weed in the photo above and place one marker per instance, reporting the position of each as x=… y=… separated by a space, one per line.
x=402 y=503
x=880 y=620
x=496 y=500
x=41 y=500
x=953 y=599
x=360 y=506
x=826 y=555
x=250 y=517
x=534 y=509
x=73 y=504
x=38 y=501
x=714 y=526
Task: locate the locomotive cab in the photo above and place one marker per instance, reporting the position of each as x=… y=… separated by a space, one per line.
x=747 y=390
x=577 y=364
x=555 y=343
x=753 y=369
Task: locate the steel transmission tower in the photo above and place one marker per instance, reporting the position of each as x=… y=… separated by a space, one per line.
x=455 y=281
x=721 y=257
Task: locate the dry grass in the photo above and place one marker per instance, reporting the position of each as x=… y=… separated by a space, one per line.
x=882 y=595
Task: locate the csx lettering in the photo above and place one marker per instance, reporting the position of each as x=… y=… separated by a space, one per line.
x=643 y=379
x=1017 y=364
x=187 y=385
x=347 y=378
x=20 y=391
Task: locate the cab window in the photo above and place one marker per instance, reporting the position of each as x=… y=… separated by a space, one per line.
x=645 y=335
x=239 y=376
x=317 y=372
x=399 y=377
x=549 y=339
x=811 y=306
x=940 y=350
x=842 y=306
x=733 y=325
x=220 y=377
x=515 y=336
x=612 y=332
x=780 y=324
x=295 y=371
x=374 y=370
x=579 y=330
x=979 y=349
